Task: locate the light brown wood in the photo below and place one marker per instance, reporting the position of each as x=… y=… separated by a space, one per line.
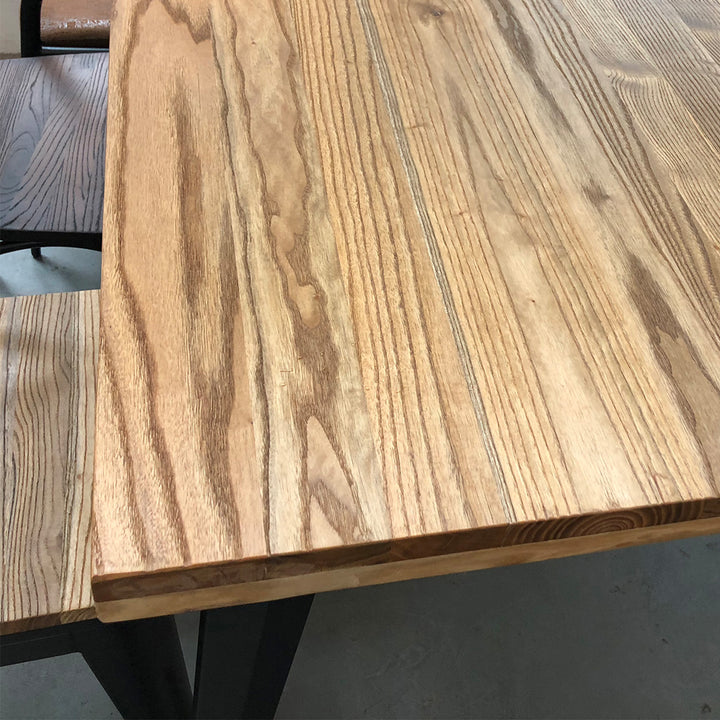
x=426 y=278
x=303 y=583
x=48 y=359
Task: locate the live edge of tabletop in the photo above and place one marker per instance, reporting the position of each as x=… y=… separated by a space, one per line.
x=396 y=288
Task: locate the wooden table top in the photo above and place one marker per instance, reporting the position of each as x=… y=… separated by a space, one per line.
x=396 y=288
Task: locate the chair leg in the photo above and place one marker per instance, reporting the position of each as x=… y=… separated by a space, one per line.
x=29 y=645
x=36 y=252
x=30 y=42
x=244 y=657
x=140 y=665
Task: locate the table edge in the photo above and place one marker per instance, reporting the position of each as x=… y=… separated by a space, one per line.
x=126 y=596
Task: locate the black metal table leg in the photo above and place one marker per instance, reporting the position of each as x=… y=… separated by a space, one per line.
x=244 y=657
x=139 y=663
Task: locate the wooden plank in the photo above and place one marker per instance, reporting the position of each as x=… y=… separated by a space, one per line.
x=534 y=176
x=663 y=119
x=48 y=358
x=422 y=281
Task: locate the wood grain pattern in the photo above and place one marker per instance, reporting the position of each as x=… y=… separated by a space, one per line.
x=429 y=278
x=52 y=142
x=76 y=23
x=48 y=360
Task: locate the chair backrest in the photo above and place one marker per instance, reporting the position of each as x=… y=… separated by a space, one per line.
x=48 y=360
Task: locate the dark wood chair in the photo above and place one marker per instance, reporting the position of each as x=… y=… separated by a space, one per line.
x=52 y=145
x=52 y=151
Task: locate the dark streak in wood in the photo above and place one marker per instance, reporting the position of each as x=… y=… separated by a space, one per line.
x=214 y=391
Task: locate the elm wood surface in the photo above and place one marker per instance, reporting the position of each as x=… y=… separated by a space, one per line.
x=52 y=142
x=48 y=363
x=428 y=280
x=76 y=23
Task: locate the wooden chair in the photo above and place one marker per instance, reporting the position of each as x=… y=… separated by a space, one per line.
x=48 y=358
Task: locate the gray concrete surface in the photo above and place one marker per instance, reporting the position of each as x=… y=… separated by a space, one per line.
x=626 y=634
x=59 y=270
x=9 y=27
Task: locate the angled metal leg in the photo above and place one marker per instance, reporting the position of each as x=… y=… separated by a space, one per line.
x=244 y=657
x=139 y=663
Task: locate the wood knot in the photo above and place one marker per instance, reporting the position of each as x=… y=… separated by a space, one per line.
x=595 y=193
x=429 y=13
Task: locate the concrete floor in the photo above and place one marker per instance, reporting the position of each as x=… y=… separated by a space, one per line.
x=59 y=270
x=626 y=634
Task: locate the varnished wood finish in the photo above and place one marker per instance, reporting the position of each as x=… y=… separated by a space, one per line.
x=48 y=359
x=52 y=142
x=430 y=280
x=359 y=574
x=76 y=23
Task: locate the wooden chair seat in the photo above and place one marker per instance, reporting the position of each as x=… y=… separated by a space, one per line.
x=76 y=23
x=52 y=142
x=48 y=357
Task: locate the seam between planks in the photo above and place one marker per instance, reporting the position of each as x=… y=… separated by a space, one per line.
x=391 y=102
